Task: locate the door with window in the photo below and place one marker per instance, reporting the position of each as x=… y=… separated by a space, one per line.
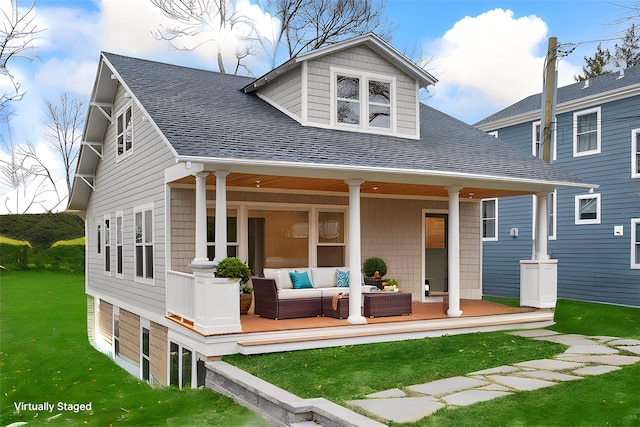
x=436 y=254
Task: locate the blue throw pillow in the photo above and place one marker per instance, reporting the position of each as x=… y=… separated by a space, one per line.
x=300 y=280
x=343 y=279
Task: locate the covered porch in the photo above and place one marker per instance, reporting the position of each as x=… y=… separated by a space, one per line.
x=195 y=297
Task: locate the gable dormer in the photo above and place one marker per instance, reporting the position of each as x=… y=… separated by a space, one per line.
x=360 y=85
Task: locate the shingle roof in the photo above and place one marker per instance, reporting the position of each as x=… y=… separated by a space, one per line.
x=205 y=114
x=597 y=85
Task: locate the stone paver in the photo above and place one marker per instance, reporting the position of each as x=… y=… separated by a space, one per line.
x=613 y=359
x=404 y=410
x=520 y=383
x=585 y=356
x=591 y=349
x=596 y=370
x=448 y=385
x=394 y=392
x=548 y=375
x=618 y=342
x=469 y=397
x=631 y=348
x=552 y=365
x=505 y=369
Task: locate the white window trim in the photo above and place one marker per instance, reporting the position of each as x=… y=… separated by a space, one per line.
x=143 y=209
x=597 y=220
x=554 y=141
x=126 y=153
x=577 y=114
x=495 y=238
x=364 y=78
x=107 y=244
x=552 y=231
x=634 y=247
x=120 y=235
x=635 y=151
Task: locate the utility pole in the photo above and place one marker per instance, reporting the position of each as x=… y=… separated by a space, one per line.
x=549 y=96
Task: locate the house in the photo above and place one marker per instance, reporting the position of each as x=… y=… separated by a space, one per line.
x=594 y=235
x=181 y=167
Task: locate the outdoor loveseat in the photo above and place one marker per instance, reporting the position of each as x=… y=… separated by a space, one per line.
x=286 y=293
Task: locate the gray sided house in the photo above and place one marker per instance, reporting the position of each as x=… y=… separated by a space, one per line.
x=594 y=235
x=321 y=163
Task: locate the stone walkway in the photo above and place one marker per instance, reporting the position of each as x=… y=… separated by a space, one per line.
x=585 y=356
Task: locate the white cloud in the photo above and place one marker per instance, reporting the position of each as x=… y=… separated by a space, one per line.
x=488 y=62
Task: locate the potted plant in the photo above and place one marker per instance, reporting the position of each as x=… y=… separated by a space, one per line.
x=374 y=269
x=234 y=268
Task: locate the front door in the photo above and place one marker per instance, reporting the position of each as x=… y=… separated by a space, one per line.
x=435 y=254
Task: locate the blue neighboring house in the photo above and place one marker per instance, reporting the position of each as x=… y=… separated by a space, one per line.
x=594 y=234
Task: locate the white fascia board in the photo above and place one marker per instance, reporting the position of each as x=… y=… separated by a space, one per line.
x=407 y=176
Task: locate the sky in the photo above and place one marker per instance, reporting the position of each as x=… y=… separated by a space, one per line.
x=486 y=55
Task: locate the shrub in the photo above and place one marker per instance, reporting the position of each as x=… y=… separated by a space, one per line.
x=371 y=265
x=42 y=230
x=67 y=258
x=14 y=257
x=234 y=268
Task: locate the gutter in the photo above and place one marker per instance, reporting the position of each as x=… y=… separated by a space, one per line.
x=348 y=172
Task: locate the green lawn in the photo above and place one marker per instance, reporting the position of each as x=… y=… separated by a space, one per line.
x=345 y=373
x=45 y=357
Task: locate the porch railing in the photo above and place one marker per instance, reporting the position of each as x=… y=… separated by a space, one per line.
x=181 y=294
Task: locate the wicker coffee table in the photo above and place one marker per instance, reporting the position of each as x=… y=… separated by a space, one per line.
x=383 y=304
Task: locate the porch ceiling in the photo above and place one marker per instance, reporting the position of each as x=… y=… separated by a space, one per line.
x=295 y=183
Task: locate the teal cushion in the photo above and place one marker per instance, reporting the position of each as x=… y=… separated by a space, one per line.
x=300 y=280
x=343 y=279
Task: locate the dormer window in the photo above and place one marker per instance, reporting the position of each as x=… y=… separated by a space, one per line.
x=363 y=101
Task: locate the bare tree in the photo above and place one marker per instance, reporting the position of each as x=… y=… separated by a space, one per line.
x=303 y=25
x=194 y=18
x=18 y=30
x=310 y=24
x=64 y=130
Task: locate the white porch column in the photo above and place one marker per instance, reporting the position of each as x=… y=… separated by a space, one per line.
x=355 y=276
x=542 y=232
x=453 y=244
x=539 y=276
x=221 y=216
x=201 y=219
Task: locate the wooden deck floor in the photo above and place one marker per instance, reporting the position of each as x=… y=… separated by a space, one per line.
x=421 y=311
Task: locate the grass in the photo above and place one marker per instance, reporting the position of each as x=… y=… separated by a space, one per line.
x=341 y=374
x=45 y=357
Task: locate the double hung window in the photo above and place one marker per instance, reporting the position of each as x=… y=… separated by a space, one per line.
x=144 y=259
x=119 y=245
x=489 y=219
x=586 y=132
x=107 y=244
x=635 y=243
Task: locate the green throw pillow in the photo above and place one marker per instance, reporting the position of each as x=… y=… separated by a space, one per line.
x=300 y=280
x=343 y=279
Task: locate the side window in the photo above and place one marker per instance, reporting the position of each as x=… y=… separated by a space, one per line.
x=635 y=153
x=119 y=245
x=107 y=244
x=124 y=132
x=635 y=243
x=489 y=212
x=588 y=209
x=536 y=139
x=379 y=104
x=144 y=245
x=586 y=132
